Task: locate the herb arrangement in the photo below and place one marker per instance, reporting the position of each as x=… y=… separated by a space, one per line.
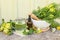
x=6 y=27
x=48 y=13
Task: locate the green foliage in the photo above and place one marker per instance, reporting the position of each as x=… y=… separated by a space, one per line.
x=48 y=13
x=31 y=31
x=28 y=32
x=25 y=32
x=54 y=24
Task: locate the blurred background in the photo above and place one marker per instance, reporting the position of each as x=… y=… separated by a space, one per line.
x=16 y=9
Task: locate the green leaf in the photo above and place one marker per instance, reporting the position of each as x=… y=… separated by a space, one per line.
x=25 y=33
x=31 y=31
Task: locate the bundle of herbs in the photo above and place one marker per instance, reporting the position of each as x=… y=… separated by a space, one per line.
x=48 y=13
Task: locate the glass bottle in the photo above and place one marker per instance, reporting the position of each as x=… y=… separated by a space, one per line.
x=29 y=23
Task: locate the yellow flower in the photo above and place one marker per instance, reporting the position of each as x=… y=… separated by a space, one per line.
x=58 y=27
x=52 y=9
x=7 y=24
x=6 y=31
x=51 y=5
x=51 y=16
x=39 y=31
